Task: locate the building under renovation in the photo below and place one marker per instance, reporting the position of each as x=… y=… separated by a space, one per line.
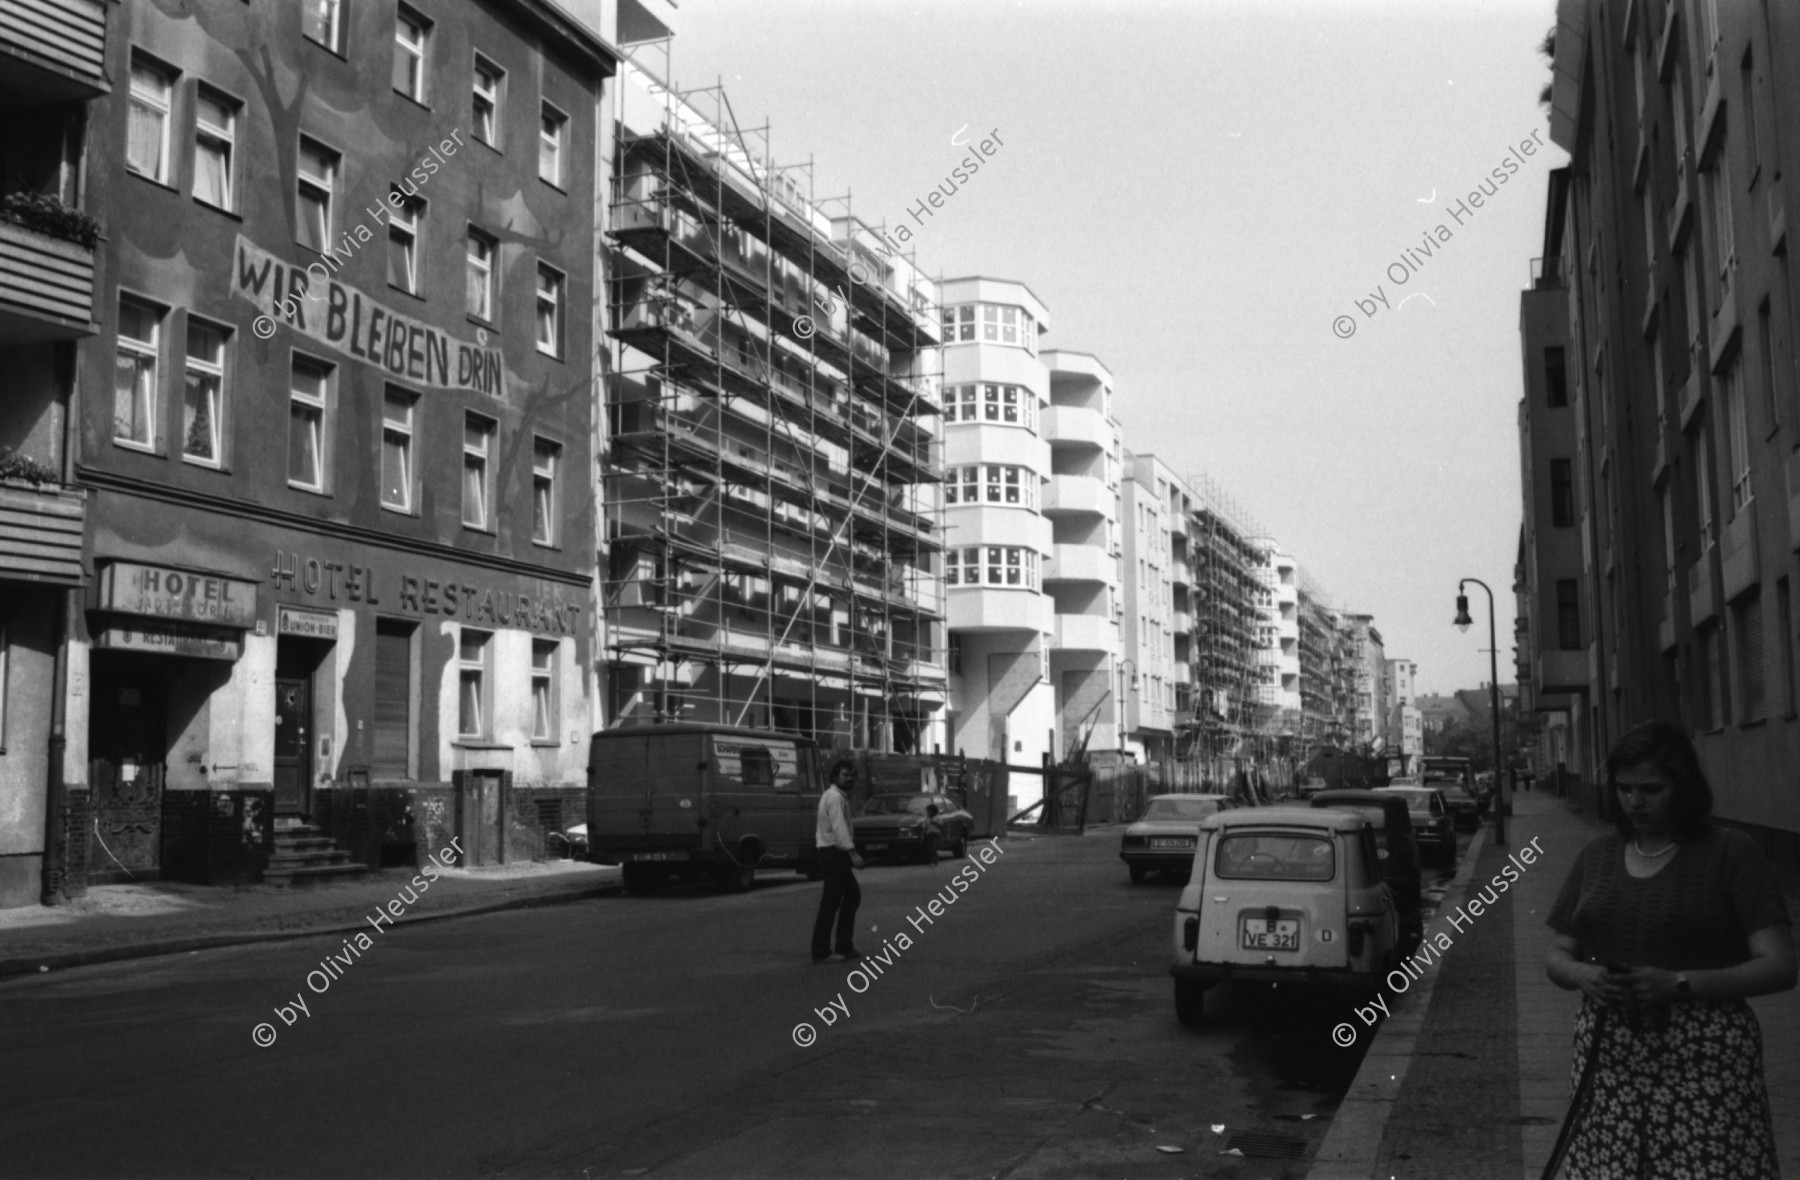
x=771 y=471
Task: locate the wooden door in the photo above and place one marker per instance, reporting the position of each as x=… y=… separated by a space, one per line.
x=293 y=763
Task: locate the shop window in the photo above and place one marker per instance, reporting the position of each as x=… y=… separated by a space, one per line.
x=545 y=456
x=398 y=408
x=203 y=402
x=147 y=132
x=472 y=654
x=478 y=473
x=543 y=690
x=489 y=79
x=411 y=33
x=308 y=406
x=323 y=21
x=215 y=147
x=134 y=382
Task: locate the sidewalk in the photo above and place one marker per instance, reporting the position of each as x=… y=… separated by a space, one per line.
x=163 y=918
x=1470 y=1077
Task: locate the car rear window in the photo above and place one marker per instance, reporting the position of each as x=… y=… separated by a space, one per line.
x=1376 y=816
x=1268 y=857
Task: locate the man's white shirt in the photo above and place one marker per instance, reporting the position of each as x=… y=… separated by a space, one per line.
x=834 y=828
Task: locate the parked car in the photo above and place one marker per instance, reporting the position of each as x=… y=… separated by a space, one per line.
x=1283 y=895
x=1396 y=848
x=691 y=800
x=1465 y=807
x=1166 y=835
x=914 y=825
x=1433 y=826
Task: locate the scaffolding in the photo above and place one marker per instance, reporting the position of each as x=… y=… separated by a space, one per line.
x=770 y=465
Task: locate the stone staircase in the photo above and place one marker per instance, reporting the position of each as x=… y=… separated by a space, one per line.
x=304 y=856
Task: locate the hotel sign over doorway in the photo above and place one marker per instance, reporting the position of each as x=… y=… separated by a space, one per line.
x=161 y=593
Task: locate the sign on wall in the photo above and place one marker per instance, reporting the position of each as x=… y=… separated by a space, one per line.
x=308 y=624
x=170 y=638
x=177 y=594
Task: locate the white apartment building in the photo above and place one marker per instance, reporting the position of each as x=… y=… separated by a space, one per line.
x=1287 y=636
x=1083 y=577
x=1405 y=725
x=1151 y=491
x=999 y=501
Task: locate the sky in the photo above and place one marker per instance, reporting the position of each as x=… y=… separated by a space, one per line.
x=1200 y=192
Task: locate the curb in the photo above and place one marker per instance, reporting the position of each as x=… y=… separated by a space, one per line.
x=1350 y=1149
x=63 y=960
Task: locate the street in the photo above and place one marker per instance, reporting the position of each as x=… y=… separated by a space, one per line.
x=1028 y=1031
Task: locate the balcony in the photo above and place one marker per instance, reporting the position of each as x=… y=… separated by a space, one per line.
x=1093 y=633
x=1069 y=494
x=1077 y=426
x=1737 y=553
x=1703 y=593
x=40 y=533
x=46 y=287
x=1080 y=563
x=51 y=51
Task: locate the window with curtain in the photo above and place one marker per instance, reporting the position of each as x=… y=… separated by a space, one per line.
x=215 y=147
x=147 y=125
x=134 y=384
x=203 y=399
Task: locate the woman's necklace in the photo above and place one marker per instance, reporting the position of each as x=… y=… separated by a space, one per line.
x=1638 y=846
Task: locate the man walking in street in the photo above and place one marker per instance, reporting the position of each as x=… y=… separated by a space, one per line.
x=837 y=858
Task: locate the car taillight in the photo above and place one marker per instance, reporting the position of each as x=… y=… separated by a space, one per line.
x=1190 y=933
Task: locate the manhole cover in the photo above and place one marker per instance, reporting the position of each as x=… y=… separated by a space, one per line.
x=1267 y=1145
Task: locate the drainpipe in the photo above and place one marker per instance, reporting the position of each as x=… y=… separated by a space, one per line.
x=56 y=796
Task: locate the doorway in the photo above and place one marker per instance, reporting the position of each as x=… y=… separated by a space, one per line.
x=128 y=746
x=293 y=752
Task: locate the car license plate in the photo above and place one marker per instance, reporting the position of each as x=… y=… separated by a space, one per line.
x=1170 y=842
x=1261 y=934
x=652 y=856
x=876 y=847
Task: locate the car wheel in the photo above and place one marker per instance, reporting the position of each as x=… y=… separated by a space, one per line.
x=1138 y=874
x=734 y=878
x=1190 y=1001
x=928 y=850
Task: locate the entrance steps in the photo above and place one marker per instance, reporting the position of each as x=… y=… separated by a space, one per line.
x=304 y=856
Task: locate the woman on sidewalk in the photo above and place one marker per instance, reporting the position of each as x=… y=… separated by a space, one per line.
x=1666 y=928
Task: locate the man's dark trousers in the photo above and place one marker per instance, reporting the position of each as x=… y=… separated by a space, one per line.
x=841 y=897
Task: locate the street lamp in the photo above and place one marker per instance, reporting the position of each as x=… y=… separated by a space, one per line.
x=1502 y=803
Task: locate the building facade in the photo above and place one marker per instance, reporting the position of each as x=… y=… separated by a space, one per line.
x=1151 y=503
x=1680 y=384
x=1404 y=733
x=336 y=429
x=774 y=519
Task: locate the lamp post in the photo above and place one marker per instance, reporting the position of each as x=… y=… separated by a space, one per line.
x=1501 y=802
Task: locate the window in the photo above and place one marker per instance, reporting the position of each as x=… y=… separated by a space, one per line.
x=1718 y=198
x=549 y=311
x=1747 y=79
x=393 y=720
x=403 y=244
x=481 y=275
x=1766 y=354
x=478 y=443
x=1737 y=434
x=1562 y=493
x=1568 y=614
x=215 y=143
x=990 y=323
x=1711 y=682
x=471 y=673
x=488 y=80
x=552 y=124
x=134 y=386
x=203 y=401
x=1748 y=628
x=147 y=129
x=545 y=456
x=397 y=411
x=1556 y=377
x=318 y=180
x=543 y=682
x=310 y=390
x=959 y=323
x=322 y=21
x=1703 y=489
x=410 y=33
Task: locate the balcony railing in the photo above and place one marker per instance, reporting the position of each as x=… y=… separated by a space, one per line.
x=52 y=51
x=46 y=287
x=40 y=533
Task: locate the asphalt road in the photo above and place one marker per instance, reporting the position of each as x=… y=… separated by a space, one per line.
x=1029 y=1031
